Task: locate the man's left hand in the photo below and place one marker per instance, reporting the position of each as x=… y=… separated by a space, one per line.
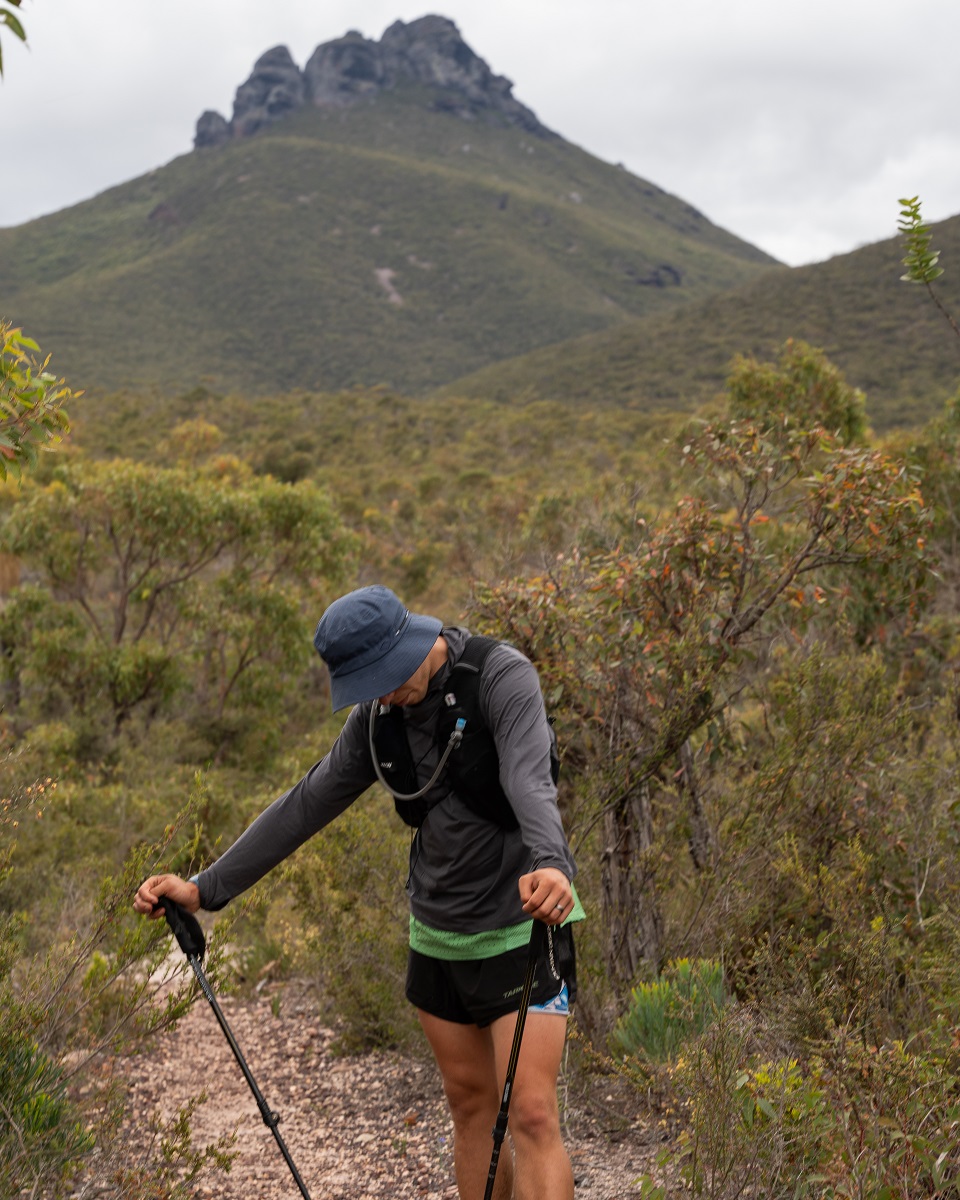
x=547 y=895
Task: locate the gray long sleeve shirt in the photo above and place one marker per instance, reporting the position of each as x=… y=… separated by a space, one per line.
x=464 y=869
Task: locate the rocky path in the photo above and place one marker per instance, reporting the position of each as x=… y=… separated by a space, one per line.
x=360 y=1128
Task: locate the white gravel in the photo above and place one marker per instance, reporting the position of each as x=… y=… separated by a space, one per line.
x=357 y=1128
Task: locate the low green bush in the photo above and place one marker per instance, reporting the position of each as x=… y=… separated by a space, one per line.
x=663 y=1014
x=42 y=1134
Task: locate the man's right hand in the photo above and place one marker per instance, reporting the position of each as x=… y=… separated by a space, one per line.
x=150 y=893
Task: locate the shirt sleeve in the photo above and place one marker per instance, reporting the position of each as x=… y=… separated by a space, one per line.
x=512 y=704
x=327 y=789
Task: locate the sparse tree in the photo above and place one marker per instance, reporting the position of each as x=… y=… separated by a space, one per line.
x=158 y=576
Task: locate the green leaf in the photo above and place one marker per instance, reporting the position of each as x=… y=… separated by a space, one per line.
x=13 y=24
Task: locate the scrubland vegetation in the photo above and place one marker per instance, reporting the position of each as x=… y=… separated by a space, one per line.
x=746 y=626
x=743 y=608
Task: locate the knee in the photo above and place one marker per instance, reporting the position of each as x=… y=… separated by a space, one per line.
x=534 y=1117
x=469 y=1103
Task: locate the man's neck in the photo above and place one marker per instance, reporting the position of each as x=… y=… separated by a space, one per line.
x=438 y=655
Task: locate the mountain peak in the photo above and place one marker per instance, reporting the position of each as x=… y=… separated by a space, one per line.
x=429 y=51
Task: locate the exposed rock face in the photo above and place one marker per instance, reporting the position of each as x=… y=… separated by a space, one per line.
x=342 y=71
x=429 y=51
x=274 y=89
x=432 y=52
x=212 y=130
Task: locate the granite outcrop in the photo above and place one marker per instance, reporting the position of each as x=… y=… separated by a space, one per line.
x=429 y=52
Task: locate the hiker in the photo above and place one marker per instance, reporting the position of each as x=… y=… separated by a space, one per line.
x=483 y=861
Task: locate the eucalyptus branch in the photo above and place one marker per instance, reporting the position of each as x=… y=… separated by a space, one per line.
x=921 y=262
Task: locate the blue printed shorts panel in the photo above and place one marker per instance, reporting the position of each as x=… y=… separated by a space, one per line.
x=560 y=1004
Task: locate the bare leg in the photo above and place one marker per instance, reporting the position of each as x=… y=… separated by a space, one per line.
x=465 y=1056
x=542 y=1165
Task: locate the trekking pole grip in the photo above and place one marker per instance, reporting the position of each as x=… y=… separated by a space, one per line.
x=538 y=938
x=185 y=928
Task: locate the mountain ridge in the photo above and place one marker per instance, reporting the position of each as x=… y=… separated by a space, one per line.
x=387 y=241
x=887 y=336
x=428 y=51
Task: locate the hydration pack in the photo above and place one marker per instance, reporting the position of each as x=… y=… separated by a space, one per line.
x=473 y=767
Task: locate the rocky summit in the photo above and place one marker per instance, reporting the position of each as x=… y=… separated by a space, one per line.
x=429 y=52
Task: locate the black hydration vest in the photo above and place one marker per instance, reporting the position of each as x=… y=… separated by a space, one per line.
x=473 y=768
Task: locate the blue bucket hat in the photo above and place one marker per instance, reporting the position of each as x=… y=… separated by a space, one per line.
x=371 y=644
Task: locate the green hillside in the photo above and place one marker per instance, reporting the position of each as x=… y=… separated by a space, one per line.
x=886 y=335
x=382 y=243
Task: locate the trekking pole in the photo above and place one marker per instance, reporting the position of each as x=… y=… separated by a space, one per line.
x=186 y=929
x=538 y=936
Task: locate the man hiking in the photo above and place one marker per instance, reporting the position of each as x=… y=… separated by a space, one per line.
x=455 y=727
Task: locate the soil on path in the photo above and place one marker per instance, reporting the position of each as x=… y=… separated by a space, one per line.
x=357 y=1128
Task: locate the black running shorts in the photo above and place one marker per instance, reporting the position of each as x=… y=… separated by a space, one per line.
x=478 y=990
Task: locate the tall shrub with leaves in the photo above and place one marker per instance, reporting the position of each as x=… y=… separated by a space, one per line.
x=349 y=889
x=645 y=644
x=802 y=386
x=32 y=399
x=159 y=578
x=100 y=984
x=836 y=1073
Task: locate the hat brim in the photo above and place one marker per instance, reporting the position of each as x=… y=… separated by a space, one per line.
x=379 y=678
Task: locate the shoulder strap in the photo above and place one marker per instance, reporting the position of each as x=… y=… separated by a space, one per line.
x=475 y=652
x=392 y=747
x=474 y=768
x=472 y=658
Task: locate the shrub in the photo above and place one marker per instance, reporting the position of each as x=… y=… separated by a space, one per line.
x=665 y=1013
x=348 y=883
x=877 y=1122
x=71 y=990
x=42 y=1134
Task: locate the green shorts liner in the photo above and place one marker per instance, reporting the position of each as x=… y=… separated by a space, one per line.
x=442 y=943
x=478 y=991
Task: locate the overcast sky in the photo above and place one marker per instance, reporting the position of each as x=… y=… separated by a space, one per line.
x=796 y=124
